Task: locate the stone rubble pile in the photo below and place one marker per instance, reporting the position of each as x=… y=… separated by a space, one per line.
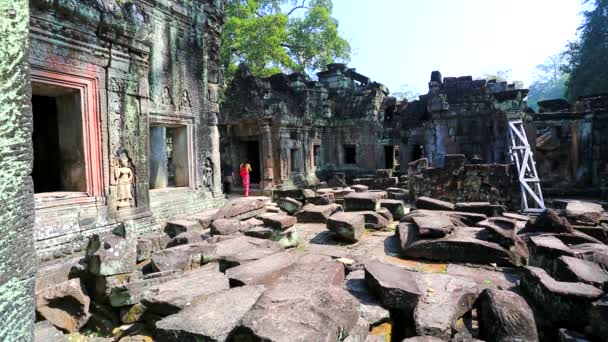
x=244 y=273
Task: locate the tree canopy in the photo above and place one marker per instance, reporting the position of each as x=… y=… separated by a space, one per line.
x=273 y=36
x=549 y=81
x=588 y=57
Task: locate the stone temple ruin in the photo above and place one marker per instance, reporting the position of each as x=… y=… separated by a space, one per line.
x=374 y=219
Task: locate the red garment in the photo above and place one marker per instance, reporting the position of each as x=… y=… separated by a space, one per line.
x=245 y=178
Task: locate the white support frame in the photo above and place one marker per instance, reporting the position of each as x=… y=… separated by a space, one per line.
x=521 y=155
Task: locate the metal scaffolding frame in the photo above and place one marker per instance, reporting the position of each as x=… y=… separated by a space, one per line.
x=521 y=155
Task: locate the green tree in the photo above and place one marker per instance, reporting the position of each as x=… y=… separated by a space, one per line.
x=588 y=57
x=549 y=81
x=271 y=36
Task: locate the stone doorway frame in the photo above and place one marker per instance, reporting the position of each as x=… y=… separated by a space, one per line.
x=91 y=122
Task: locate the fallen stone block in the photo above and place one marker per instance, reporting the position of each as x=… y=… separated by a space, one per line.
x=559 y=300
x=64 y=305
x=146 y=245
x=374 y=220
x=359 y=201
x=185 y=238
x=444 y=300
x=322 y=199
x=347 y=226
x=549 y=222
x=131 y=293
x=426 y=339
x=396 y=207
x=369 y=308
x=433 y=204
x=228 y=227
x=44 y=331
x=385 y=213
x=456 y=249
x=278 y=221
x=359 y=187
x=133 y=314
x=394 y=287
x=313 y=312
x=584 y=213
x=311 y=213
x=176 y=227
x=600 y=233
x=172 y=296
x=62 y=270
x=598 y=317
x=205 y=217
x=398 y=194
x=110 y=255
x=241 y=249
x=300 y=195
x=545 y=250
x=259 y=232
x=433 y=226
x=184 y=257
x=576 y=270
x=290 y=205
x=242 y=208
x=263 y=271
x=505 y=316
x=485 y=208
x=209 y=318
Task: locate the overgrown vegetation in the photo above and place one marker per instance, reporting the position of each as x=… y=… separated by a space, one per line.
x=273 y=36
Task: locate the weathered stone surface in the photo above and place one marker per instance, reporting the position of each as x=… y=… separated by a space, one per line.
x=598 y=317
x=505 y=316
x=209 y=318
x=459 y=218
x=262 y=271
x=454 y=248
x=311 y=213
x=65 y=305
x=444 y=299
x=46 y=332
x=241 y=249
x=385 y=213
x=176 y=227
x=584 y=213
x=205 y=217
x=242 y=208
x=109 y=255
x=278 y=221
x=373 y=220
x=313 y=312
x=58 y=272
x=368 y=200
x=185 y=238
x=558 y=300
x=146 y=245
x=398 y=194
x=433 y=204
x=565 y=335
x=544 y=251
x=575 y=270
x=131 y=293
x=396 y=207
x=485 y=208
x=348 y=226
x=184 y=257
x=500 y=225
x=369 y=308
x=130 y=315
x=396 y=288
x=433 y=226
x=172 y=296
x=599 y=232
x=259 y=232
x=290 y=205
x=359 y=187
x=423 y=339
x=228 y=227
x=322 y=199
x=550 y=222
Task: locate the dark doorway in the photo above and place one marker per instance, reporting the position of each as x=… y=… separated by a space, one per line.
x=417 y=152
x=45 y=138
x=350 y=154
x=389 y=157
x=253 y=154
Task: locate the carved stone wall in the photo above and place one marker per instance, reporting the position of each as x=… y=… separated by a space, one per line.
x=151 y=63
x=17 y=258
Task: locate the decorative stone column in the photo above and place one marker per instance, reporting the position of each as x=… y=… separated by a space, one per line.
x=214 y=137
x=17 y=255
x=267 y=156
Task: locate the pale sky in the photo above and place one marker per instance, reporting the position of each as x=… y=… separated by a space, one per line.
x=398 y=42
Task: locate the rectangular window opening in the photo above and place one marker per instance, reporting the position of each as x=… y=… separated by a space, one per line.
x=350 y=154
x=293 y=157
x=59 y=157
x=315 y=154
x=169 y=157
